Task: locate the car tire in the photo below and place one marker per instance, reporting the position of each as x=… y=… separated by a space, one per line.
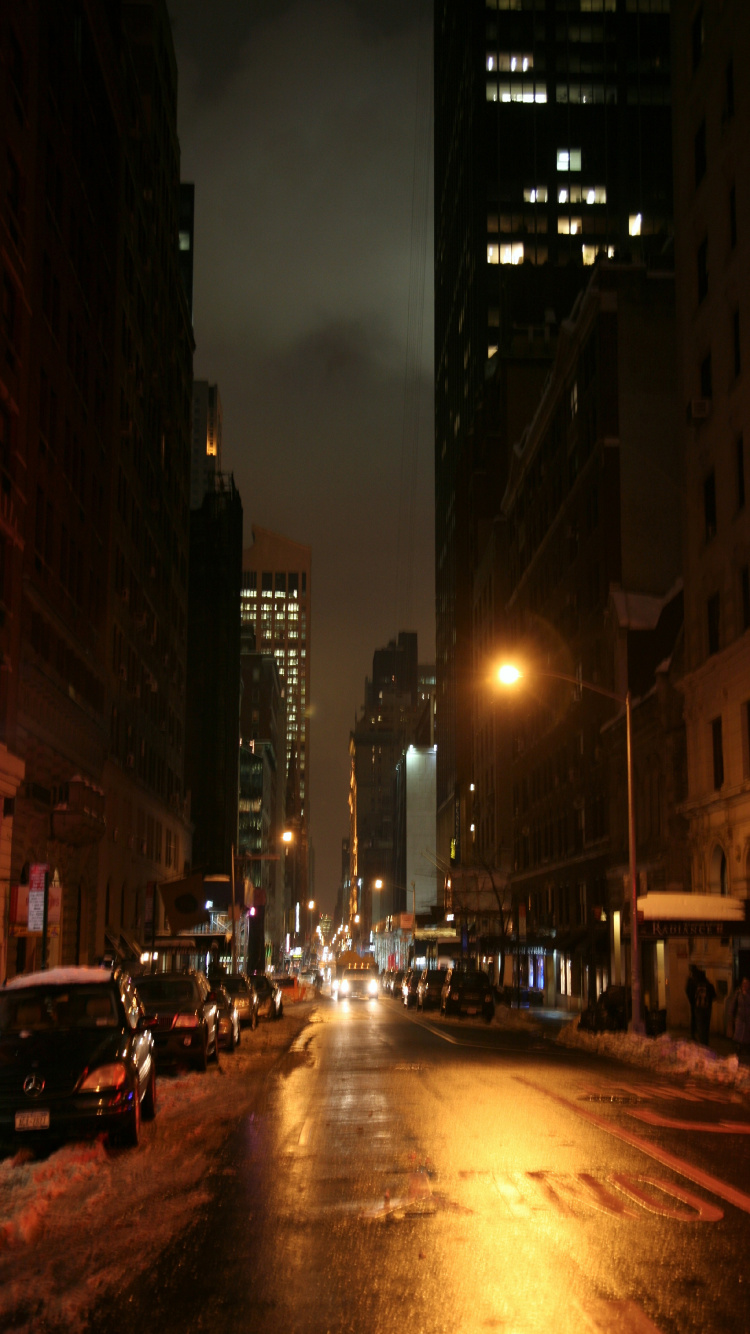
x=202 y=1061
x=148 y=1106
x=280 y=1012
x=254 y=1021
x=215 y=1053
x=130 y=1134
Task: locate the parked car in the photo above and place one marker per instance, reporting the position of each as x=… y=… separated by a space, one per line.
x=270 y=1001
x=186 y=1021
x=409 y=987
x=229 y=1019
x=394 y=986
x=76 y=1056
x=467 y=991
x=358 y=984
x=385 y=979
x=245 y=997
x=428 y=989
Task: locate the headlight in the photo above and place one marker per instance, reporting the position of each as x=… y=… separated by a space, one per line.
x=372 y=987
x=344 y=987
x=186 y=1021
x=106 y=1077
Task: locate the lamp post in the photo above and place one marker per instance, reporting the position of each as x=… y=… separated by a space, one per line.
x=310 y=906
x=510 y=675
x=288 y=838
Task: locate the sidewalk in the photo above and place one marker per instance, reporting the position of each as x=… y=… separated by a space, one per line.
x=672 y=1053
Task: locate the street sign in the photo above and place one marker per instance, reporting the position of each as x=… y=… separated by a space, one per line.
x=36 y=911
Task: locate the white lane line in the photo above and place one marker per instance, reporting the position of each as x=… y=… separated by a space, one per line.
x=304 y=1133
x=695 y=1174
x=459 y=1042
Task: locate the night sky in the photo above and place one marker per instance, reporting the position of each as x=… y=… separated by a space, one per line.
x=298 y=121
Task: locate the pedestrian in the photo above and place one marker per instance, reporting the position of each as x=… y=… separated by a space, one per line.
x=705 y=995
x=739 y=1019
x=690 y=986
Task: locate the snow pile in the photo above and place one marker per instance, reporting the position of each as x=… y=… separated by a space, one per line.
x=665 y=1055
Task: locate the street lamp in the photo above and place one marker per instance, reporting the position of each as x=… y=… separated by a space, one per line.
x=509 y=675
x=287 y=837
x=310 y=906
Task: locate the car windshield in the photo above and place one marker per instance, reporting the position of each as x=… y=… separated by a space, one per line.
x=166 y=990
x=356 y=975
x=433 y=976
x=470 y=980
x=47 y=1008
x=235 y=985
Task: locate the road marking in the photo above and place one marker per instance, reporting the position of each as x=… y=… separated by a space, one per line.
x=458 y=1042
x=698 y=1210
x=304 y=1133
x=615 y=1317
x=695 y=1174
x=671 y=1123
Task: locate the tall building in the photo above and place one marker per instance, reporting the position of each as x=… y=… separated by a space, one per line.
x=276 y=607
x=263 y=794
x=396 y=708
x=552 y=146
x=98 y=369
x=712 y=246
x=594 y=592
x=213 y=675
x=205 y=463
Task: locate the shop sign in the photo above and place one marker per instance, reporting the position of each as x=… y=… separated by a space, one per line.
x=36 y=911
x=665 y=929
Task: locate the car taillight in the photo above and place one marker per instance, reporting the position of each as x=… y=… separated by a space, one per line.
x=105 y=1077
x=186 y=1021
x=455 y=995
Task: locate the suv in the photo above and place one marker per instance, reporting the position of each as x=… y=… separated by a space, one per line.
x=182 y=1016
x=467 y=991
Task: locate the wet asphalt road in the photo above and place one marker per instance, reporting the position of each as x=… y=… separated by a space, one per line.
x=401 y=1173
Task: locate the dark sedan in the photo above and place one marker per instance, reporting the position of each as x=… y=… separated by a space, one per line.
x=186 y=1022
x=428 y=989
x=270 y=1003
x=467 y=992
x=76 y=1056
x=244 y=996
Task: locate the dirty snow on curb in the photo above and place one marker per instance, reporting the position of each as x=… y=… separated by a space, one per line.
x=87 y=1218
x=664 y=1055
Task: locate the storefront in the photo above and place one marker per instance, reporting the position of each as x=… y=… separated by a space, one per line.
x=677 y=930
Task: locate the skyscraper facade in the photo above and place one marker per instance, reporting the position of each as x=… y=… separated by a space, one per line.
x=276 y=605
x=205 y=463
x=552 y=145
x=712 y=194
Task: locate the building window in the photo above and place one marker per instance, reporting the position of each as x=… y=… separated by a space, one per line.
x=699 y=149
x=635 y=222
x=713 y=608
x=699 y=37
x=733 y=216
x=736 y=343
x=703 y=270
x=709 y=505
x=729 y=90
x=568 y=159
x=740 y=457
x=745 y=588
x=706 y=377
x=535 y=194
x=718 y=753
x=569 y=226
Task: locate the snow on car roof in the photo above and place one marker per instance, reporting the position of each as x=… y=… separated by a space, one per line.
x=61 y=977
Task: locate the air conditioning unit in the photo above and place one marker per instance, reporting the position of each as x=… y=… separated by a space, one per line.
x=700 y=409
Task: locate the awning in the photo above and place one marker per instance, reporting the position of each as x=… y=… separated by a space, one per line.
x=662 y=915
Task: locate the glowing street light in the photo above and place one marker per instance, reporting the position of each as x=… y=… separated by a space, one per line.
x=508 y=675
